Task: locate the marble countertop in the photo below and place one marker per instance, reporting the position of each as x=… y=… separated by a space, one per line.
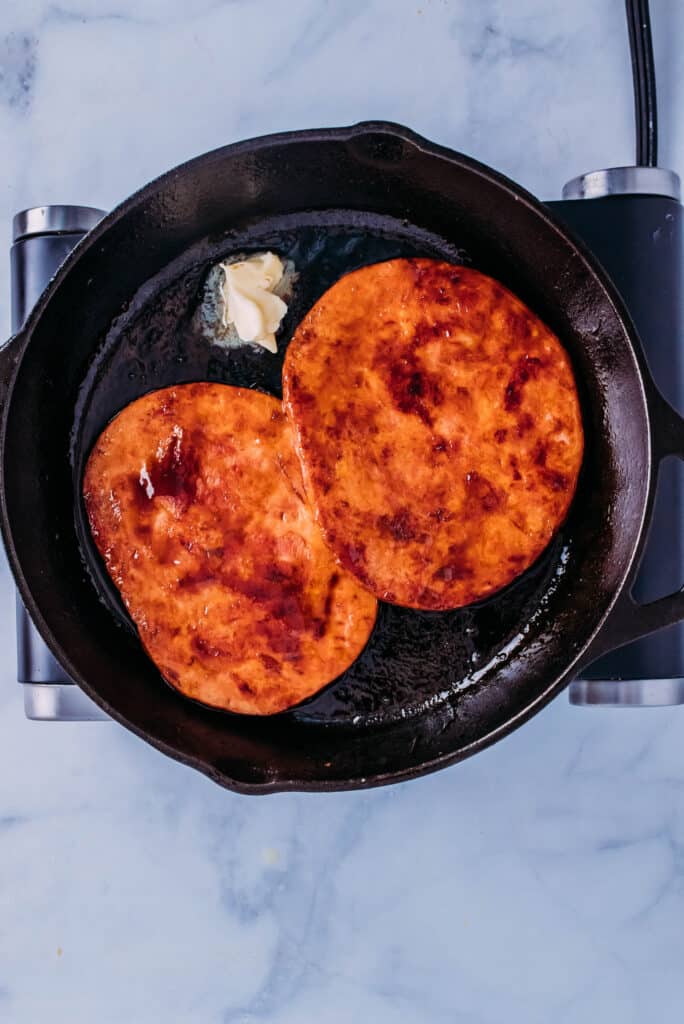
x=542 y=880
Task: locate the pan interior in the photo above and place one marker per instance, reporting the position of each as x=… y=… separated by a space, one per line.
x=414 y=661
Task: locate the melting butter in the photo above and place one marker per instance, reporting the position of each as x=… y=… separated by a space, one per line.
x=248 y=300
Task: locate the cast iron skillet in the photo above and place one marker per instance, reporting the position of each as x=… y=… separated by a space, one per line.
x=120 y=318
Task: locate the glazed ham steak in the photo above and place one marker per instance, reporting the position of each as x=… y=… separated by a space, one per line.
x=195 y=502
x=438 y=427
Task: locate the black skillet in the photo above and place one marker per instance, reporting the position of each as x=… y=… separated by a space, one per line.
x=120 y=319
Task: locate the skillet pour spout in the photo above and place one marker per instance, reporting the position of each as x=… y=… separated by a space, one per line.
x=431 y=688
x=10 y=354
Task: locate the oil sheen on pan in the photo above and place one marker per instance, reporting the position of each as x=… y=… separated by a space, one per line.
x=195 y=501
x=439 y=430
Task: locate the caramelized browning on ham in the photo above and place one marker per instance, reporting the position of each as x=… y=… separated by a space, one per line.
x=439 y=430
x=195 y=501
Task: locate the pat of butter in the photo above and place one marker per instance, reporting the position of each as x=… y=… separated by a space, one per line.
x=248 y=301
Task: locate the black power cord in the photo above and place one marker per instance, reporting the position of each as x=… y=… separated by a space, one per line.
x=643 y=72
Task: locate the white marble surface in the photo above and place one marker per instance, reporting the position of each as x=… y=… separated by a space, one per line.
x=541 y=881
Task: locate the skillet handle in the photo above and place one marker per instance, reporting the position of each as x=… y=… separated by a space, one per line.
x=630 y=621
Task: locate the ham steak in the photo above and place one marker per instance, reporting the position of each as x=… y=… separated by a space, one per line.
x=439 y=430
x=195 y=502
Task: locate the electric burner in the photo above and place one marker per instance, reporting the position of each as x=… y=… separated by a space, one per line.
x=631 y=219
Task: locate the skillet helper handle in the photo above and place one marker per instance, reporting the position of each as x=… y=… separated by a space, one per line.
x=629 y=620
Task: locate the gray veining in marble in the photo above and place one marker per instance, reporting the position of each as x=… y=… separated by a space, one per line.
x=541 y=881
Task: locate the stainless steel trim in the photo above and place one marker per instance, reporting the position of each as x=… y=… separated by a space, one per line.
x=50 y=220
x=55 y=702
x=627 y=693
x=35 y=661
x=621 y=181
